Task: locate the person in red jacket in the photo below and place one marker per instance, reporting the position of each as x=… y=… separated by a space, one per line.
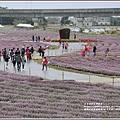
x=85 y=49
x=45 y=62
x=28 y=55
x=83 y=53
x=60 y=41
x=66 y=45
x=38 y=38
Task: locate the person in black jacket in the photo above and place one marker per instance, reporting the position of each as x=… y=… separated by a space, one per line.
x=40 y=50
x=17 y=52
x=94 y=50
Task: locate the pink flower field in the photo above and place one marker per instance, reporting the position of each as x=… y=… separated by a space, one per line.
x=31 y=97
x=102 y=64
x=23 y=96
x=18 y=44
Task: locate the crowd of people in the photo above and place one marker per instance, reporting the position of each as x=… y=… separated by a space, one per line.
x=86 y=50
x=17 y=56
x=37 y=38
x=65 y=45
x=20 y=56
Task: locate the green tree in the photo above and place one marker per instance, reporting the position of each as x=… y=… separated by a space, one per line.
x=64 y=20
x=53 y=20
x=43 y=22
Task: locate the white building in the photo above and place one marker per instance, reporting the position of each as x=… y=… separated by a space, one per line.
x=91 y=21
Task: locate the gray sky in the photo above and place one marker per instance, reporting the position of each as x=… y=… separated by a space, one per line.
x=59 y=5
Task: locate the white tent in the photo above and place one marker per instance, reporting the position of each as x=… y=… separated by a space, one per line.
x=75 y=29
x=1 y=25
x=24 y=25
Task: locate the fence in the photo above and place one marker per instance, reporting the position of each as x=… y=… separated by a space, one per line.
x=64 y=75
x=61 y=75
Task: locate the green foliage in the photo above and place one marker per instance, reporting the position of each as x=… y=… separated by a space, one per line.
x=43 y=21
x=102 y=32
x=113 y=32
x=53 y=20
x=15 y=22
x=64 y=20
x=118 y=33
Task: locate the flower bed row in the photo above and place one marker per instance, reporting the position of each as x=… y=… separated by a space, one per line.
x=30 y=97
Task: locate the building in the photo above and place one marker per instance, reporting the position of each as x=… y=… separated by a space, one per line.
x=91 y=21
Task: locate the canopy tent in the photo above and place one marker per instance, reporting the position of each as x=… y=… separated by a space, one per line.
x=24 y=25
x=1 y=25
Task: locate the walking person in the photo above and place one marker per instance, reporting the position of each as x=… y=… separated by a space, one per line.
x=85 y=49
x=36 y=38
x=18 y=60
x=33 y=38
x=23 y=62
x=88 y=50
x=43 y=52
x=66 y=45
x=74 y=36
x=17 y=52
x=60 y=41
x=7 y=60
x=14 y=60
x=40 y=50
x=28 y=55
x=11 y=54
x=32 y=50
x=44 y=39
x=63 y=45
x=27 y=49
x=94 y=50
x=4 y=52
x=45 y=62
x=23 y=51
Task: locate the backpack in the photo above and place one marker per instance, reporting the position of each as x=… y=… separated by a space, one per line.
x=18 y=58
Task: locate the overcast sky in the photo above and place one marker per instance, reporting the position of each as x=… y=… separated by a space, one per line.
x=59 y=5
